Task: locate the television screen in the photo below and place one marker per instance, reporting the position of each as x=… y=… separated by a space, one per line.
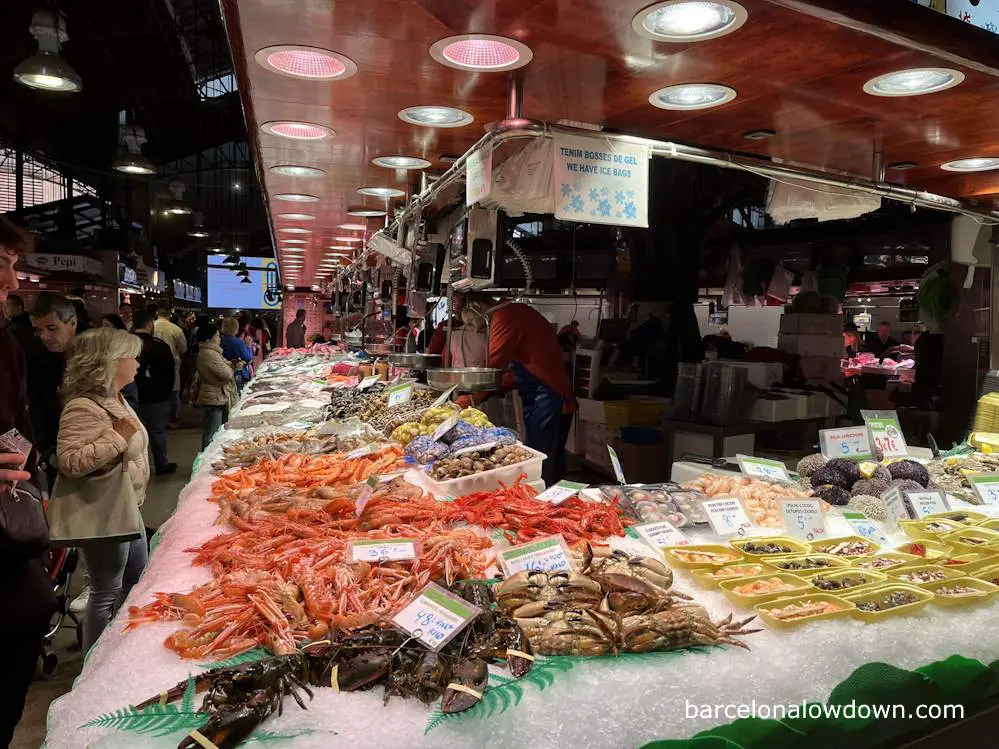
x=226 y=290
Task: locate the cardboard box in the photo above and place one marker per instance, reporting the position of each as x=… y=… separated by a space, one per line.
x=812 y=345
x=811 y=324
x=761 y=374
x=787 y=408
x=696 y=443
x=821 y=368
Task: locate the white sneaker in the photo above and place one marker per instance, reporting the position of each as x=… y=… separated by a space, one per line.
x=79 y=604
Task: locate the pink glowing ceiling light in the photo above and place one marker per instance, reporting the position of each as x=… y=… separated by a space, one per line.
x=297 y=130
x=481 y=52
x=310 y=63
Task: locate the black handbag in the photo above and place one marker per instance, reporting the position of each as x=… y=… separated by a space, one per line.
x=23 y=529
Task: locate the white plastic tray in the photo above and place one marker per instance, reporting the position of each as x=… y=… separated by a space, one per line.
x=487 y=480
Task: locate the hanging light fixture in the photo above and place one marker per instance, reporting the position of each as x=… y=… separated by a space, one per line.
x=198 y=231
x=176 y=205
x=130 y=159
x=46 y=70
x=245 y=280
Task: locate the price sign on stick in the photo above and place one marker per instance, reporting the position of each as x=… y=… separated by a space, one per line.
x=864 y=526
x=560 y=492
x=383 y=549
x=445 y=427
x=727 y=516
x=886 y=433
x=661 y=535
x=762 y=468
x=852 y=443
x=987 y=486
x=803 y=518
x=921 y=504
x=445 y=397
x=368 y=382
x=365 y=495
x=895 y=506
x=435 y=616
x=548 y=554
x=362 y=451
x=616 y=463
x=399 y=394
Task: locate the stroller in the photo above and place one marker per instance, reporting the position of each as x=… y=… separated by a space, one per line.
x=61 y=565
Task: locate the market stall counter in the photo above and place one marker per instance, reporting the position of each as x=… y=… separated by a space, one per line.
x=607 y=629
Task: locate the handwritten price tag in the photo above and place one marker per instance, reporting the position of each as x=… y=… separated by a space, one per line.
x=444 y=397
x=435 y=616
x=662 y=534
x=763 y=468
x=864 y=526
x=803 y=518
x=886 y=433
x=545 y=555
x=484 y=447
x=362 y=451
x=560 y=492
x=852 y=443
x=368 y=382
x=895 y=505
x=400 y=394
x=365 y=495
x=921 y=504
x=445 y=427
x=727 y=516
x=987 y=486
x=616 y=463
x=383 y=550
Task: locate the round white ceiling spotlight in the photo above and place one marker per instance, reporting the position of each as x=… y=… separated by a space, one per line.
x=297 y=170
x=366 y=212
x=294 y=241
x=308 y=63
x=354 y=227
x=977 y=164
x=295 y=130
x=295 y=230
x=400 y=162
x=688 y=96
x=481 y=52
x=914 y=82
x=347 y=239
x=436 y=116
x=297 y=216
x=689 y=20
x=296 y=197
x=382 y=192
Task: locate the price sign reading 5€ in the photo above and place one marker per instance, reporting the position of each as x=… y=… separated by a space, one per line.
x=803 y=518
x=727 y=516
x=435 y=616
x=987 y=486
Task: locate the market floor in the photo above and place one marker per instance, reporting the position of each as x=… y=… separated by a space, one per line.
x=182 y=447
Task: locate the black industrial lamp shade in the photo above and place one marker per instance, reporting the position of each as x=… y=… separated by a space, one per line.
x=47 y=71
x=133 y=163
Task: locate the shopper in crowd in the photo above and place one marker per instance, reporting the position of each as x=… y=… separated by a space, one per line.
x=235 y=350
x=522 y=341
x=155 y=384
x=125 y=313
x=131 y=391
x=295 y=335
x=217 y=387
x=171 y=334
x=262 y=336
x=26 y=597
x=878 y=343
x=851 y=342
x=18 y=322
x=111 y=320
x=98 y=433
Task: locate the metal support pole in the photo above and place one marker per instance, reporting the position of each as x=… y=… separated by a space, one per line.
x=515 y=98
x=450 y=316
x=19 y=179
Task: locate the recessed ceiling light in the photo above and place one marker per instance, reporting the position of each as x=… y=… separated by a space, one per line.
x=297 y=170
x=310 y=63
x=343 y=247
x=295 y=230
x=296 y=197
x=354 y=227
x=297 y=216
x=366 y=212
x=689 y=20
x=979 y=164
x=347 y=239
x=901 y=166
x=914 y=82
x=292 y=249
x=761 y=134
x=382 y=192
x=436 y=116
x=400 y=162
x=482 y=52
x=297 y=130
x=294 y=241
x=686 y=96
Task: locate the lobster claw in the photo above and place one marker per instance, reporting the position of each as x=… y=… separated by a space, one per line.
x=468 y=682
x=229 y=728
x=360 y=672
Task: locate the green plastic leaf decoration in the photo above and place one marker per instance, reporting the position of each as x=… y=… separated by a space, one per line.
x=155 y=720
x=239 y=659
x=187 y=702
x=273 y=737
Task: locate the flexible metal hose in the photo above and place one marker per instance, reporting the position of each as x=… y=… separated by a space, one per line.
x=524 y=261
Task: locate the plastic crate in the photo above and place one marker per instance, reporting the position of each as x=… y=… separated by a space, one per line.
x=631 y=414
x=487 y=480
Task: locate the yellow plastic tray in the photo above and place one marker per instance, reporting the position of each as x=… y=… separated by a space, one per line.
x=764 y=609
x=794 y=546
x=873 y=578
x=743 y=599
x=991 y=523
x=896 y=573
x=896 y=555
x=925 y=529
x=923 y=597
x=973 y=562
x=973 y=518
x=988 y=574
x=705 y=577
x=834 y=563
x=989 y=539
x=988 y=590
x=674 y=555
x=934 y=549
x=822 y=547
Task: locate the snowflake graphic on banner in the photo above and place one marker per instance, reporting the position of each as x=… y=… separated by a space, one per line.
x=619 y=196
x=604 y=208
x=566 y=190
x=576 y=204
x=630 y=211
x=594 y=195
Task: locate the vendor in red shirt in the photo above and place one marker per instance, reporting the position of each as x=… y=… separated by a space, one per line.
x=523 y=342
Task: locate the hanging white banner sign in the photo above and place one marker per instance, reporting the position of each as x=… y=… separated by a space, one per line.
x=478 y=175
x=600 y=181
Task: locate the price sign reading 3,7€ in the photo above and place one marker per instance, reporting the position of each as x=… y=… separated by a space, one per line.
x=886 y=433
x=803 y=518
x=727 y=516
x=435 y=616
x=987 y=486
x=548 y=554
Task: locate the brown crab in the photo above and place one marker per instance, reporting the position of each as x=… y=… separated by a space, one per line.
x=681 y=626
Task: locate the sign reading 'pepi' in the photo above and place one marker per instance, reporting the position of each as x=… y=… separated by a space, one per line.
x=599 y=181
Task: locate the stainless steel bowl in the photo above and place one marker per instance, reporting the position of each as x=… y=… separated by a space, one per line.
x=378 y=349
x=414 y=361
x=466 y=379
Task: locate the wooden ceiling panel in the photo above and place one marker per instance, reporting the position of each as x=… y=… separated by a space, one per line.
x=799 y=74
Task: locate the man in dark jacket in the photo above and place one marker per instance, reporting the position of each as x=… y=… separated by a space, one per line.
x=18 y=321
x=26 y=597
x=155 y=380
